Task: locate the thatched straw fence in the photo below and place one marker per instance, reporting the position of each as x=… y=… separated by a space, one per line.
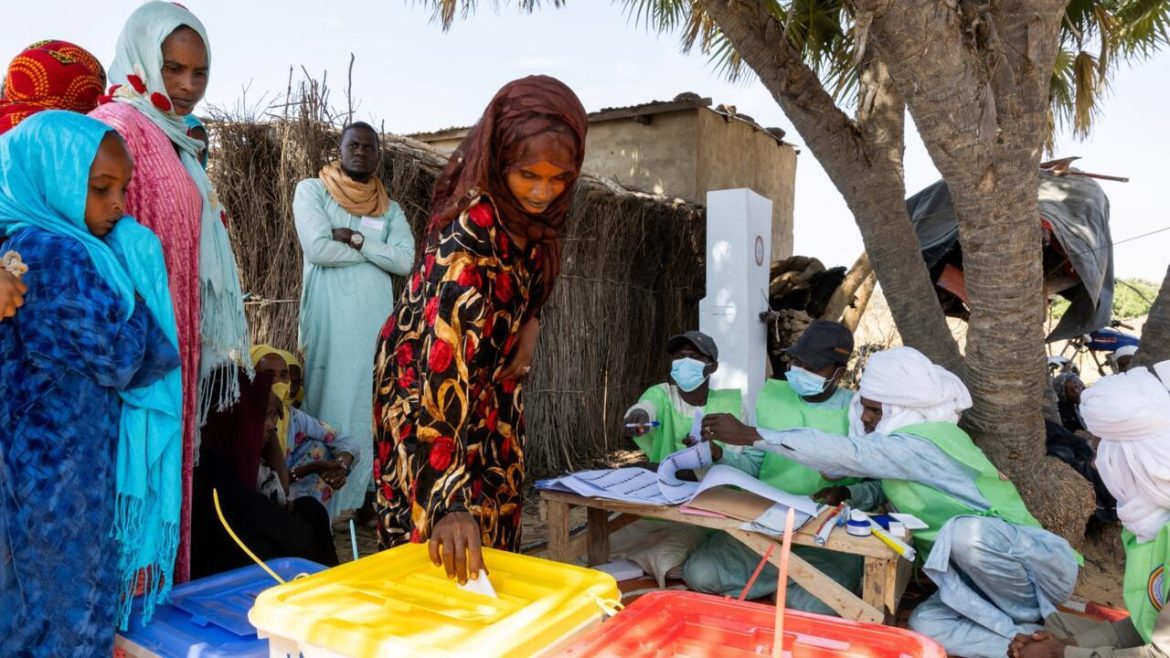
x=633 y=272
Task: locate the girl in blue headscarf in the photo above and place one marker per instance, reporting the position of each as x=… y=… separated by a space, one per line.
x=90 y=399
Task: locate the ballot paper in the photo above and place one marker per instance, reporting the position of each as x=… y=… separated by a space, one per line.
x=697 y=427
x=771 y=522
x=631 y=485
x=481 y=585
x=692 y=459
x=722 y=476
x=638 y=485
x=642 y=486
x=909 y=520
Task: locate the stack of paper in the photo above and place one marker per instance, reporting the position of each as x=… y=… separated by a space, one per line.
x=631 y=485
x=771 y=522
x=723 y=491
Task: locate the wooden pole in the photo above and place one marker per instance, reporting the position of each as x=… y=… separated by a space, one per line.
x=782 y=585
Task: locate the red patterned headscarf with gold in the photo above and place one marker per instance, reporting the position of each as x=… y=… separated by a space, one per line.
x=50 y=75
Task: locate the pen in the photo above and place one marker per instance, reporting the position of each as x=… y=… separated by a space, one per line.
x=900 y=547
x=653 y=423
x=830 y=522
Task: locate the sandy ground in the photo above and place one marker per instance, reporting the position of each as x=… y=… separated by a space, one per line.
x=1104 y=570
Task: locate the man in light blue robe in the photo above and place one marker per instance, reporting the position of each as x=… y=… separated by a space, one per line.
x=353 y=238
x=998 y=572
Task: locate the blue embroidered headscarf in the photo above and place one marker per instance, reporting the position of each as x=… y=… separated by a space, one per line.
x=44 y=184
x=45 y=180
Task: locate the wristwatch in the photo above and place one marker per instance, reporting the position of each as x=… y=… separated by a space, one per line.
x=356 y=240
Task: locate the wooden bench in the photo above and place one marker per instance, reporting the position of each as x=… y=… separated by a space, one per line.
x=884 y=580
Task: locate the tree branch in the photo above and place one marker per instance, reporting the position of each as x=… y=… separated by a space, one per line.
x=863 y=159
x=759 y=39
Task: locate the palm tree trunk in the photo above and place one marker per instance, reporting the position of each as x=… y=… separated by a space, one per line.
x=978 y=91
x=1156 y=334
x=863 y=158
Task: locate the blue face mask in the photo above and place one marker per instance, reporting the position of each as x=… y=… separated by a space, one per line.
x=688 y=373
x=806 y=384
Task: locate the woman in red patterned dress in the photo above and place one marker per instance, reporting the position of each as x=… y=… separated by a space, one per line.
x=452 y=358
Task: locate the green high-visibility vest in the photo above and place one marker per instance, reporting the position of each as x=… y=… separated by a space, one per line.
x=934 y=507
x=779 y=408
x=1145 y=578
x=662 y=441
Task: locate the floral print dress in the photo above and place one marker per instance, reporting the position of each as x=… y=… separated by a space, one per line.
x=448 y=436
x=309 y=440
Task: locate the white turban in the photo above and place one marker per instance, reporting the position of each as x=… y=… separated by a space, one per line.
x=1162 y=370
x=1131 y=414
x=1125 y=350
x=911 y=389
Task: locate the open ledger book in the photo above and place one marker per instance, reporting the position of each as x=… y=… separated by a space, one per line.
x=724 y=491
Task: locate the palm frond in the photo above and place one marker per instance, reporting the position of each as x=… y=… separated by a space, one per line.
x=660 y=15
x=1087 y=82
x=1107 y=35
x=1062 y=95
x=444 y=11
x=725 y=59
x=1143 y=27
x=1116 y=30
x=1075 y=94
x=1080 y=23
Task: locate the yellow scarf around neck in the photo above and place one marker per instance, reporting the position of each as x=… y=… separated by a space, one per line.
x=367 y=199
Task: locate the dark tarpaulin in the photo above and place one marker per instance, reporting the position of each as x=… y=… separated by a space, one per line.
x=1078 y=211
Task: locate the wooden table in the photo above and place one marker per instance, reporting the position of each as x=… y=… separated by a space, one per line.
x=884 y=579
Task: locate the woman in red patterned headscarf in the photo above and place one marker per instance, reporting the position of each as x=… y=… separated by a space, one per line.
x=453 y=357
x=50 y=75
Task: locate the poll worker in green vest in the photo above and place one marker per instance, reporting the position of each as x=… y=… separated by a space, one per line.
x=999 y=574
x=809 y=396
x=1130 y=412
x=661 y=420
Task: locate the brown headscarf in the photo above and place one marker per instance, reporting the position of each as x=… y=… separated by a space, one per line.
x=528 y=119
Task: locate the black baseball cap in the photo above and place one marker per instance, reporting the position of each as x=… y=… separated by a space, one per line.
x=702 y=342
x=823 y=343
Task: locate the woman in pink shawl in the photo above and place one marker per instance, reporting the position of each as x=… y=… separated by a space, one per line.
x=160 y=72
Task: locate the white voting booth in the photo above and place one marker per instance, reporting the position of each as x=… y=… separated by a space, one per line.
x=739 y=257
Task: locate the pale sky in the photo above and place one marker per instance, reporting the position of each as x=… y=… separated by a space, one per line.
x=413 y=77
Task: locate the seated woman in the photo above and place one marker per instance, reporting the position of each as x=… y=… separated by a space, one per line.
x=91 y=358
x=233 y=443
x=319 y=458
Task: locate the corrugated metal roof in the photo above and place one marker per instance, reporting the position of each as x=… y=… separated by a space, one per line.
x=682 y=102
